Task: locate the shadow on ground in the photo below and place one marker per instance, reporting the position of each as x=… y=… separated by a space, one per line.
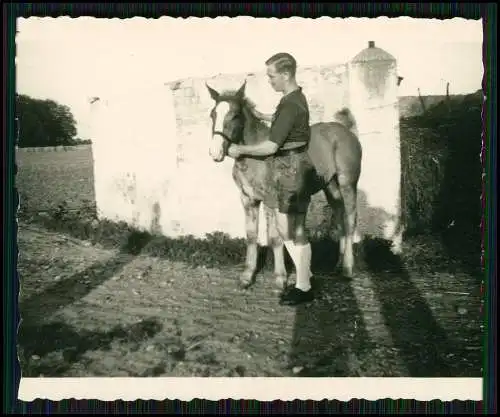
x=329 y=332
x=77 y=286
x=50 y=348
x=70 y=290
x=419 y=339
x=330 y=337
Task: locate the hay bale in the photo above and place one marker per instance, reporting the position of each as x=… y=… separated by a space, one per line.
x=422 y=161
x=441 y=167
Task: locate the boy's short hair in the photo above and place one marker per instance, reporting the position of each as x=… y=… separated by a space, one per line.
x=284 y=62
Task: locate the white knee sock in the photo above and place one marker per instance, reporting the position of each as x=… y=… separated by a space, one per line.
x=290 y=247
x=303 y=267
x=295 y=255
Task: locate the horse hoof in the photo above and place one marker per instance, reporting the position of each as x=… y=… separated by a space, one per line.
x=244 y=284
x=281 y=281
x=347 y=272
x=246 y=279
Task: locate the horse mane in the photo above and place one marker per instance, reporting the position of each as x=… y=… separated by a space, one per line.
x=247 y=106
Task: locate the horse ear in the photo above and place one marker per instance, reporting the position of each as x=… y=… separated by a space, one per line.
x=214 y=94
x=241 y=91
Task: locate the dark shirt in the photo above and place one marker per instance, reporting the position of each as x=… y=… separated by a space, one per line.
x=290 y=126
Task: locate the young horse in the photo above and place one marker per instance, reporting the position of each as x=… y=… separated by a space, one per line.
x=334 y=150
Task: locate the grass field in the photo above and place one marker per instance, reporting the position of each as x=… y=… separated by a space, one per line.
x=91 y=306
x=46 y=179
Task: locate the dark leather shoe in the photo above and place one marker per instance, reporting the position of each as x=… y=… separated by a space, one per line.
x=294 y=296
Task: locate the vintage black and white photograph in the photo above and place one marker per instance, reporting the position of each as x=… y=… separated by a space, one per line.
x=245 y=198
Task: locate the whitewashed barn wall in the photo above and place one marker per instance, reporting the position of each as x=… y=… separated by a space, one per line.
x=152 y=167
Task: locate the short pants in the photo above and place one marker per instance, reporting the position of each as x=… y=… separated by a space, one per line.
x=290 y=174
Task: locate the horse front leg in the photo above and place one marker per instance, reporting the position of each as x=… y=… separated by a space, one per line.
x=251 y=209
x=276 y=243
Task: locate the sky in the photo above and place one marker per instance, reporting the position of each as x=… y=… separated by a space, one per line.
x=70 y=60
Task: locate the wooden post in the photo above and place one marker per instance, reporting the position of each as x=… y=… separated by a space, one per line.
x=422 y=102
x=448 y=101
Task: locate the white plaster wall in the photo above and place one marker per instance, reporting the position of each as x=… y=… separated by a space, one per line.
x=377 y=114
x=134 y=145
x=145 y=174
x=153 y=170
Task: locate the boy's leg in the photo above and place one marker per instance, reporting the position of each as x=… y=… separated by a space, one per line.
x=293 y=202
x=300 y=252
x=303 y=253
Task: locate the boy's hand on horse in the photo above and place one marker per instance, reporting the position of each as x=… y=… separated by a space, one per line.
x=234 y=151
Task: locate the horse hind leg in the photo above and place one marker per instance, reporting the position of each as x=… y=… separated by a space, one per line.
x=251 y=209
x=334 y=198
x=276 y=243
x=348 y=191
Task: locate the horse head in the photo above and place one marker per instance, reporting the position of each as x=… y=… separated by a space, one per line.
x=227 y=120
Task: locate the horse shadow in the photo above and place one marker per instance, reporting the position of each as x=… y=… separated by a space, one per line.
x=335 y=336
x=331 y=336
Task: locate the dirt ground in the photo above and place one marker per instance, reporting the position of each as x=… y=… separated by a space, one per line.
x=90 y=311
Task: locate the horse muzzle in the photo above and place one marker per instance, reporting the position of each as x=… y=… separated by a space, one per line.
x=218 y=147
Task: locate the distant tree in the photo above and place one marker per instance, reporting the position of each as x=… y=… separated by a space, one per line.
x=80 y=141
x=44 y=123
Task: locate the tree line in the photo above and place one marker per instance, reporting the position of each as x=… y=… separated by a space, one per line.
x=43 y=123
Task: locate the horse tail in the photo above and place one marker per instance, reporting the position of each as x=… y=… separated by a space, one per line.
x=345 y=117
